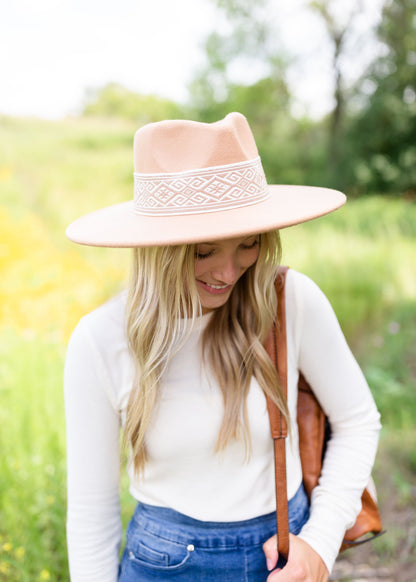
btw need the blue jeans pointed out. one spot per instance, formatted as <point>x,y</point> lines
<point>163,544</point>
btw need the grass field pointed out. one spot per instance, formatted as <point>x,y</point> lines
<point>51,172</point>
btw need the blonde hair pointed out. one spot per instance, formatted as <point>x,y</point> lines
<point>162,292</point>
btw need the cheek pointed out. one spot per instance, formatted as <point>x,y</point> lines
<point>199,268</point>
<point>250,258</point>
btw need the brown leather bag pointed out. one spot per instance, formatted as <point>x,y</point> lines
<point>314,432</point>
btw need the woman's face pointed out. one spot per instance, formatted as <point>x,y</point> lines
<point>219,265</point>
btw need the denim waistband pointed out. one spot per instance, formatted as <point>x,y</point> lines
<point>175,526</point>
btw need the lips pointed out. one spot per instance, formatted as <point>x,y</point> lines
<point>214,289</point>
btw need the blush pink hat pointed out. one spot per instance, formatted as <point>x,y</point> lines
<point>197,182</point>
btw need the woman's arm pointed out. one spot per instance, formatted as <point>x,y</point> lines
<point>93,524</point>
<point>339,384</point>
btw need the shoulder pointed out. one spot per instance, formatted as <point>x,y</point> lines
<point>101,334</point>
<point>103,325</point>
<point>307,306</point>
<point>301,282</point>
<point>310,313</point>
<point>302,292</point>
<point>112,313</point>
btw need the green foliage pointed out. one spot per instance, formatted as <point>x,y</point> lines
<point>244,66</point>
<point>86,160</point>
<point>381,137</point>
<point>113,100</point>
<point>391,365</point>
<point>242,9</point>
<point>366,242</point>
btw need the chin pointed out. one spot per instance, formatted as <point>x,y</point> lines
<point>212,305</point>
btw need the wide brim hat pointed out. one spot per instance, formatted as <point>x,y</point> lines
<point>198,182</point>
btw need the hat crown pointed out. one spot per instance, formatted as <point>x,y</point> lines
<point>180,145</point>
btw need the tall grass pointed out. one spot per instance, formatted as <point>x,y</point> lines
<point>32,463</point>
<point>362,256</point>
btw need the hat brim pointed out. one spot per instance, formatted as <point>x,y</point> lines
<point>120,226</point>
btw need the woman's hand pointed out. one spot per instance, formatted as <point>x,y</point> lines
<point>304,564</point>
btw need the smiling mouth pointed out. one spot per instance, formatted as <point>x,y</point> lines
<point>217,286</point>
<point>216,289</point>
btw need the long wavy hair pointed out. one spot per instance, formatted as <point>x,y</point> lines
<point>162,293</point>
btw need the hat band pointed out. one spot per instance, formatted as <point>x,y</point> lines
<point>197,191</point>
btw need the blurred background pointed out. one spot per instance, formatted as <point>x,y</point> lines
<point>329,89</point>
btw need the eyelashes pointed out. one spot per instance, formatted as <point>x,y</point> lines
<point>201,256</point>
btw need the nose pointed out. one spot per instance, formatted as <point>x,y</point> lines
<point>228,270</point>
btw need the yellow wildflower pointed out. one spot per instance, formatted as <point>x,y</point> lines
<point>45,289</point>
<point>19,553</point>
<point>7,547</point>
<point>44,575</point>
<point>4,567</point>
<point>5,173</point>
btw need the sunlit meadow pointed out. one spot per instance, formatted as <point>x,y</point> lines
<point>362,256</point>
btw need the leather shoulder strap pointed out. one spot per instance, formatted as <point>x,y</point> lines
<point>276,347</point>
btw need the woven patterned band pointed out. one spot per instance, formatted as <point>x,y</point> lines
<point>198,191</point>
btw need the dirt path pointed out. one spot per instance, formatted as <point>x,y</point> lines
<point>391,558</point>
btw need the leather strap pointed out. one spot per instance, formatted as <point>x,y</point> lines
<point>276,347</point>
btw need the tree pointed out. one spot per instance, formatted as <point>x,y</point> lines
<point>241,53</point>
<point>338,29</point>
<point>383,133</point>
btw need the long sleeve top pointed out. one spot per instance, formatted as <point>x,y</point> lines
<point>183,470</point>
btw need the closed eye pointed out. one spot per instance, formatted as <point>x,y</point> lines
<point>199,255</point>
<point>251,245</point>
<point>244,246</point>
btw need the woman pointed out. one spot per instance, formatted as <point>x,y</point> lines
<point>179,362</point>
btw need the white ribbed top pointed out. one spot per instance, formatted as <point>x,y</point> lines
<point>183,471</point>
